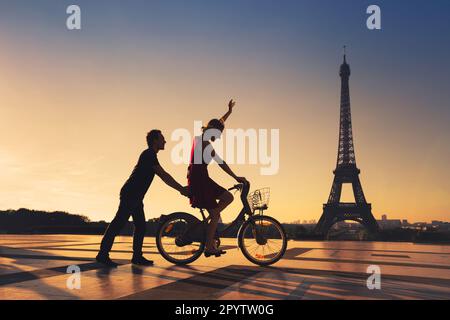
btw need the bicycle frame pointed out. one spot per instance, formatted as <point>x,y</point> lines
<point>240,219</point>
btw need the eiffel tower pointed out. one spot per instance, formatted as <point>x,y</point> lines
<point>346,172</point>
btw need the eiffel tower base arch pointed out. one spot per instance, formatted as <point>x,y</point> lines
<point>334,213</point>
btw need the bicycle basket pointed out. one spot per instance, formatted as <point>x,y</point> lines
<point>259,199</point>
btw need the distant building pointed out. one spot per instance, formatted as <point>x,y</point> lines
<point>440,225</point>
<point>386,223</point>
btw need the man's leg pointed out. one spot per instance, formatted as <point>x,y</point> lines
<point>119,221</point>
<point>139,234</point>
<point>139,229</point>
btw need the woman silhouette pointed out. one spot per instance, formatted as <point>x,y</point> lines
<point>205,192</point>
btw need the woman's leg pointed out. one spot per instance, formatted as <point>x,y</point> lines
<point>225,199</point>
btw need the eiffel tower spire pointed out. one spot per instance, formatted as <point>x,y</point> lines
<point>346,149</point>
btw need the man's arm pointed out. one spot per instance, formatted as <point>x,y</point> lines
<point>169,180</point>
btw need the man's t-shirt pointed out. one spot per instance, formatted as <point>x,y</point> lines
<point>142,176</point>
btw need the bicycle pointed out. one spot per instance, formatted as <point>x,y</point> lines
<point>181,237</point>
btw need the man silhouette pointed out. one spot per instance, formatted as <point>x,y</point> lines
<point>131,200</point>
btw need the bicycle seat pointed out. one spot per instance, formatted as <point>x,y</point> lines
<point>263,207</point>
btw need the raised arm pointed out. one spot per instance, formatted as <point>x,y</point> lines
<point>169,180</point>
<point>230,110</point>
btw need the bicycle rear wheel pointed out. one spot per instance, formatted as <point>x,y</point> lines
<point>262,240</point>
<point>176,240</point>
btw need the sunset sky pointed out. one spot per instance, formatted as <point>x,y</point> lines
<point>75,106</point>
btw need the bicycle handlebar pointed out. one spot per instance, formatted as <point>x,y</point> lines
<point>238,186</point>
<point>235,187</point>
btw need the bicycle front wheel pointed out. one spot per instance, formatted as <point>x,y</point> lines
<point>262,240</point>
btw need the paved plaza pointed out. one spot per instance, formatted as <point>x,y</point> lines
<point>35,267</point>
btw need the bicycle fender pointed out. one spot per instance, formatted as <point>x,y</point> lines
<point>185,215</point>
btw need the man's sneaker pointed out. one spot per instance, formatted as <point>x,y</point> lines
<point>141,261</point>
<point>105,260</point>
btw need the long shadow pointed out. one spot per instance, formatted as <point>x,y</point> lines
<point>445,283</point>
<point>213,282</point>
<point>73,244</point>
<point>203,284</point>
<point>22,257</point>
<point>94,250</point>
<point>37,242</point>
<point>316,284</point>
<point>335,288</point>
<point>378,250</point>
<point>42,288</point>
<point>292,254</point>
